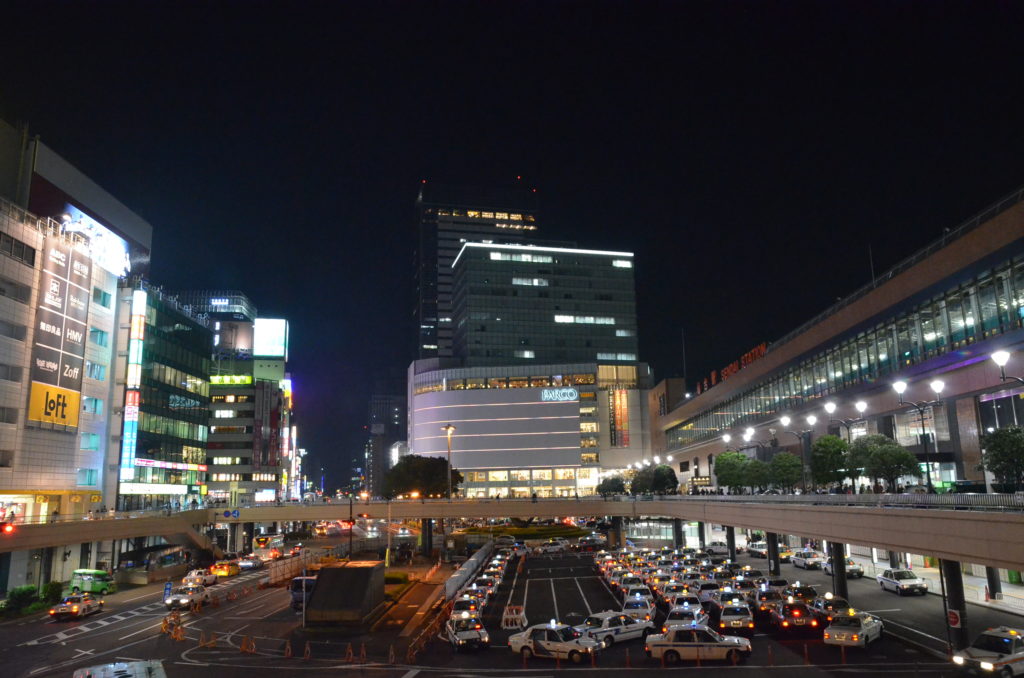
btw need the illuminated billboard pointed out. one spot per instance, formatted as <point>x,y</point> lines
<point>270,338</point>
<point>58,348</point>
<point>109,251</point>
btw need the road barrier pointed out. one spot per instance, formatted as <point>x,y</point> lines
<point>513,617</point>
<point>178,633</point>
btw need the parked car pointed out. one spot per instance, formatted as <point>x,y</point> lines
<point>807,559</point>
<point>612,627</point>
<point>76,606</point>
<point>853,569</point>
<point>696,642</point>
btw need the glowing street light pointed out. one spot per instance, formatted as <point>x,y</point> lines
<point>830,407</point>
<point>785,420</point>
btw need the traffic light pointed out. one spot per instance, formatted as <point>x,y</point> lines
<point>7,528</point>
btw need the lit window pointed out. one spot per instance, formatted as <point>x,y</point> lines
<point>515,217</point>
<point>542,474</point>
<point>473,213</point>
<point>622,263</point>
<point>564,319</point>
<point>625,333</point>
<point>530,282</point>
<point>498,476</point>
<point>565,474</point>
<point>224,414</point>
<point>524,354</point>
<point>488,215</point>
<point>588,427</point>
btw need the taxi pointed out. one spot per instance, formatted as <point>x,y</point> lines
<point>671,590</point>
<point>640,592</point>
<point>554,641</point>
<point>853,629</point>
<point>466,632</point>
<point>777,583</point>
<point>638,608</point>
<point>998,651</point>
<point>466,604</point>
<point>763,602</point>
<point>758,549</point>
<point>800,592</point>
<point>808,559</point>
<point>489,584</point>
<point>185,596</point>
<point>612,627</point>
<point>200,577</point>
<point>696,642</point>
<point>76,606</point>
<point>737,618</point>
<point>684,615</point>
<point>793,615</point>
<point>785,555</point>
<point>225,568</point>
<point>901,582</point>
<point>853,569</point>
<point>827,606</point>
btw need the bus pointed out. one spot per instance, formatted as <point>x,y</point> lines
<point>268,546</point>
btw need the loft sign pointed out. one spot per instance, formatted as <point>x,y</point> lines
<point>559,395</point>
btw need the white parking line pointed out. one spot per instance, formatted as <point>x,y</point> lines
<point>581,595</point>
<point>553,600</point>
<point>140,631</point>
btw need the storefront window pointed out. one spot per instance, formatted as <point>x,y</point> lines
<point>542,474</point>
<point>497,476</point>
<point>520,474</point>
<point>565,474</point>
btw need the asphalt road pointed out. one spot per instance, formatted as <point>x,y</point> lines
<point>562,587</point>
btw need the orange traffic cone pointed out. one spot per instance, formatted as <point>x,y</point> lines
<point>288,649</point>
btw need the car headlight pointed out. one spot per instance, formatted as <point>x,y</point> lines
<point>988,666</point>
<point>169,601</point>
<point>958,660</point>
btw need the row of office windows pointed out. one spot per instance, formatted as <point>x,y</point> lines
<point>257,477</point>
<point>525,475</point>
<point>17,250</point>
<point>989,305</point>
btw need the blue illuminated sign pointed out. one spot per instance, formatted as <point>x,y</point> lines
<point>559,395</point>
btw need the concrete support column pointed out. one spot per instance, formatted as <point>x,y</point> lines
<point>894,559</point>
<point>772,540</point>
<point>617,536</point>
<point>678,539</point>
<point>837,551</point>
<point>730,541</point>
<point>427,536</point>
<point>701,537</point>
<point>955,602</point>
<point>995,586</point>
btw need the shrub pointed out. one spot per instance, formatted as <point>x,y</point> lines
<point>52,592</point>
<point>21,597</point>
<point>396,577</point>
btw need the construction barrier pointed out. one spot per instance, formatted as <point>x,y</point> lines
<point>178,633</point>
<point>513,618</point>
<point>164,625</point>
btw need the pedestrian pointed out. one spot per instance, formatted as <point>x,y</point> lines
<point>89,517</point>
<point>55,516</point>
<point>534,497</point>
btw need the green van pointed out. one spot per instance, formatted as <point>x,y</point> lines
<point>93,581</point>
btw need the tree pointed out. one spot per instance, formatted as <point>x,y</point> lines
<point>882,458</point>
<point>664,480</point>
<point>730,469</point>
<point>642,481</point>
<point>1003,456</point>
<point>828,460</point>
<point>426,475</point>
<point>756,474</point>
<point>612,485</point>
<point>785,470</point>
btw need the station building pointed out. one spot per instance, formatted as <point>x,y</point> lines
<point>936,318</point>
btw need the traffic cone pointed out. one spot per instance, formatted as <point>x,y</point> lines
<point>362,653</point>
<point>558,662</point>
<point>349,655</point>
<point>213,639</point>
<point>288,649</point>
<point>202,638</point>
<point>306,653</point>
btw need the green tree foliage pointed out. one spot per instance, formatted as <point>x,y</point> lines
<point>660,479</point>
<point>882,458</point>
<point>730,469</point>
<point>612,485</point>
<point>427,475</point>
<point>1003,456</point>
<point>53,591</point>
<point>785,470</point>
<point>756,474</point>
<point>828,460</point>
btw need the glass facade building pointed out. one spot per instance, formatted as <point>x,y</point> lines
<point>984,305</point>
<point>518,304</point>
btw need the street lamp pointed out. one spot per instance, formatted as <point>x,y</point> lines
<point>860,406</point>
<point>1001,358</point>
<point>726,437</point>
<point>936,385</point>
<point>449,429</point>
<point>804,437</point>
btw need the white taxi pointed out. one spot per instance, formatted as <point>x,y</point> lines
<point>612,627</point>
<point>466,632</point>
<point>185,596</point>
<point>996,652</point>
<point>736,617</point>
<point>202,577</point>
<point>75,606</point>
<point>552,640</point>
<point>853,629</point>
<point>807,559</point>
<point>638,608</point>
<point>696,642</point>
<point>684,615</point>
<point>902,582</point>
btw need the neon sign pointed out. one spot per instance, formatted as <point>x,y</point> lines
<point>559,395</point>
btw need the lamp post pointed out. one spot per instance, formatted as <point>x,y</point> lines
<point>1001,358</point>
<point>804,437</point>
<point>937,385</point>
<point>830,408</point>
<point>449,429</point>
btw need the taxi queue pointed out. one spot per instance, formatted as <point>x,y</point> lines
<point>712,608</point>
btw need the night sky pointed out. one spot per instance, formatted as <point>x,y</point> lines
<point>749,153</point>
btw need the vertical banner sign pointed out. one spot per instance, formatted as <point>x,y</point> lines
<point>133,384</point>
<point>618,418</point>
<point>58,349</point>
<point>260,423</point>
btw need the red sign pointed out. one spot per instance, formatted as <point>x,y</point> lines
<point>732,368</point>
<point>953,618</point>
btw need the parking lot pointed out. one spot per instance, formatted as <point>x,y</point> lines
<point>568,587</point>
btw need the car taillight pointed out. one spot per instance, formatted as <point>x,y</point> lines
<point>74,608</point>
<point>750,625</point>
<point>827,636</point>
<point>814,622</point>
<point>647,617</point>
<point>53,612</point>
<point>856,637</point>
<point>785,623</point>
<point>722,625</point>
<point>796,613</point>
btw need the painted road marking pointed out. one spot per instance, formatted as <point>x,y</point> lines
<point>584,597</point>
<point>554,601</point>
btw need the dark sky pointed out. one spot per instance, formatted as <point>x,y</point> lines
<point>749,153</point>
